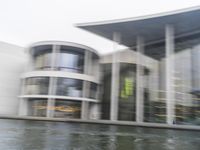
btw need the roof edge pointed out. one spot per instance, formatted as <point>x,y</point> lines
<point>156,15</point>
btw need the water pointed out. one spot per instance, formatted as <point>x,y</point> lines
<point>36,135</point>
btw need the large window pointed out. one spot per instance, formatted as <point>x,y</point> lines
<point>37,85</point>
<point>69,87</point>
<point>70,60</point>
<point>43,57</point>
<point>37,107</point>
<point>127,92</point>
<point>67,109</point>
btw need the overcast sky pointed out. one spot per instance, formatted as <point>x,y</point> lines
<point>25,21</point>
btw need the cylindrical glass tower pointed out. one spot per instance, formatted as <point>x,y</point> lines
<point>62,81</point>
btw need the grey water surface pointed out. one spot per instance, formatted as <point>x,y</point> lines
<point>39,135</point>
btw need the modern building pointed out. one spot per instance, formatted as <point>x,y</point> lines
<point>156,79</point>
<point>12,62</point>
<point>172,42</point>
<point>62,81</point>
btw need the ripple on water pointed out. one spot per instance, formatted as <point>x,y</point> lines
<point>15,134</point>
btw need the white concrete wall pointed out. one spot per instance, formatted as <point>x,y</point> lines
<point>12,63</point>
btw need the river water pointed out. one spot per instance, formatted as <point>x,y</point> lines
<point>38,135</point>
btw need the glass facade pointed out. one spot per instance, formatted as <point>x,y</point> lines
<point>63,87</point>
<point>184,81</point>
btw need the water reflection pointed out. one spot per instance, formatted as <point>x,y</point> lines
<point>15,134</point>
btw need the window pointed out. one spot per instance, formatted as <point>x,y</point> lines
<point>37,85</point>
<point>42,57</point>
<point>93,90</point>
<point>67,109</point>
<point>69,87</point>
<point>70,60</point>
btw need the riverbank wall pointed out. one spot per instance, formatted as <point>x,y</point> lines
<point>105,122</point>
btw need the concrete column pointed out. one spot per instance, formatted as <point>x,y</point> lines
<point>169,52</point>
<point>85,104</point>
<point>86,85</point>
<point>52,84</point>
<point>87,62</point>
<point>139,80</point>
<point>115,78</point>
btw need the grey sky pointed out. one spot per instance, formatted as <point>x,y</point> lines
<point>25,21</point>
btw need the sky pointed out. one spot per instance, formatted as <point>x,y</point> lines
<point>23,22</point>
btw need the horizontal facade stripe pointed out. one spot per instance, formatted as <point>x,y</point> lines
<point>60,97</point>
<point>61,74</point>
<point>63,43</point>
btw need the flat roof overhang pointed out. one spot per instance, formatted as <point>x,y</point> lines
<point>185,21</point>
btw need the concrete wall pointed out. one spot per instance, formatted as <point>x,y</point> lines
<point>12,63</point>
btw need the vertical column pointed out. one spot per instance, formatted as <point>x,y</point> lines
<point>115,78</point>
<point>139,80</point>
<point>169,52</point>
<point>85,104</point>
<point>52,84</point>
<point>23,101</point>
<point>86,85</point>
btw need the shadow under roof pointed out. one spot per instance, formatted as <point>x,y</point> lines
<point>151,27</point>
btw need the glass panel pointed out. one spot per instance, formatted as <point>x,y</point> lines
<point>42,57</point>
<point>154,84</point>
<point>43,61</point>
<point>47,60</point>
<point>37,85</point>
<point>37,107</point>
<point>70,60</point>
<point>93,90</point>
<point>106,88</point>
<point>67,109</point>
<point>69,87</point>
<point>127,92</point>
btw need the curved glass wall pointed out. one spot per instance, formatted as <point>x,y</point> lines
<point>36,85</point>
<point>66,58</point>
<point>70,60</point>
<point>67,109</point>
<point>69,87</point>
